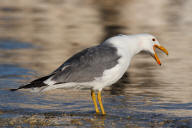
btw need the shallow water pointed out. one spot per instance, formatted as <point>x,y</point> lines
<point>37,36</point>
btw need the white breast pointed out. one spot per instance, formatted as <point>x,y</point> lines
<point>112,75</point>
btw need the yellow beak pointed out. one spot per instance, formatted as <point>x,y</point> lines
<point>162,49</point>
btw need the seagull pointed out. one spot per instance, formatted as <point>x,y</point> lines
<point>98,66</point>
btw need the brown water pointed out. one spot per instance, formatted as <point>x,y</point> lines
<point>36,36</point>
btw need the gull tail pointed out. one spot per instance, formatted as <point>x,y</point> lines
<point>34,84</point>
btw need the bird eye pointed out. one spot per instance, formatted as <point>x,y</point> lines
<point>153,39</point>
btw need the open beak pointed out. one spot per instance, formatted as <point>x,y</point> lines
<point>162,49</point>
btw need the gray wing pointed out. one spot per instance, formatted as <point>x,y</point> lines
<point>87,64</point>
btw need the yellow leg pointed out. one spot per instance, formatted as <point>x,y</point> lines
<point>94,101</point>
<point>100,102</point>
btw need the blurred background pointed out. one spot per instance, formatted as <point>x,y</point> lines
<point>36,36</point>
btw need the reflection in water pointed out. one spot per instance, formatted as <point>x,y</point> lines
<point>10,45</point>
<point>40,35</point>
<point>109,15</point>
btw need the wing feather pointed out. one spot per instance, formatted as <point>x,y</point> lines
<point>87,64</point>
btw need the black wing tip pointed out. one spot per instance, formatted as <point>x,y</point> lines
<point>13,89</point>
<point>34,84</point>
<point>38,85</point>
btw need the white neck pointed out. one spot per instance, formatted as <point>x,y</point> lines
<point>128,45</point>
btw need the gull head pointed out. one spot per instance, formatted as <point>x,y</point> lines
<point>133,44</point>
<point>149,43</point>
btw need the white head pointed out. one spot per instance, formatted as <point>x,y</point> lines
<point>133,44</point>
<point>148,43</point>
